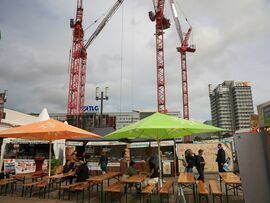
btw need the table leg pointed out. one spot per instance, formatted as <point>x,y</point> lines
<point>226,188</point>
<point>220,179</point>
<point>126,188</point>
<point>194,192</point>
<point>23,186</point>
<point>89,195</point>
<point>59,191</point>
<point>101,191</point>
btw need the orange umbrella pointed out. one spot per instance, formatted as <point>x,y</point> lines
<point>47,130</point>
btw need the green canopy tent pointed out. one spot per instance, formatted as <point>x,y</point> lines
<point>160,127</point>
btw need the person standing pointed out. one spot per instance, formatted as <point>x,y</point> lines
<point>200,163</point>
<point>103,162</point>
<point>189,156</point>
<point>221,158</point>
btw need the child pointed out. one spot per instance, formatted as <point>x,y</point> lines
<point>226,166</point>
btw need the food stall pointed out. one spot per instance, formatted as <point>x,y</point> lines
<point>114,151</point>
<point>143,150</point>
<point>25,156</point>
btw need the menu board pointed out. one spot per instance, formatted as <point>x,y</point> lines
<point>9,165</point>
<point>22,165</point>
<point>25,166</point>
<point>166,167</point>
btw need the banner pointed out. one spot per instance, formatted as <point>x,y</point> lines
<point>25,166</point>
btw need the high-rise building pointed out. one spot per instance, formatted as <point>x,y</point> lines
<point>231,105</point>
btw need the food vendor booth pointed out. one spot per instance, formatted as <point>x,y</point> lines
<point>25,156</point>
<point>143,150</point>
<point>114,151</point>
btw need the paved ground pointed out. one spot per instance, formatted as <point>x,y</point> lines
<point>95,197</point>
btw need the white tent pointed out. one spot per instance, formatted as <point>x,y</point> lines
<point>14,118</point>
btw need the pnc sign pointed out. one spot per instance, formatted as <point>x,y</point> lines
<point>92,109</point>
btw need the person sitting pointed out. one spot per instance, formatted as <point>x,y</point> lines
<point>82,172</point>
<point>131,171</point>
<point>67,169</point>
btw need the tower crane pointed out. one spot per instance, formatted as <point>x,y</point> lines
<point>162,23</point>
<point>76,90</point>
<point>185,47</point>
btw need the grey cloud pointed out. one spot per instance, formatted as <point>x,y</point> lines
<point>231,37</point>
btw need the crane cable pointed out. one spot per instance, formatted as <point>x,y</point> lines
<point>95,21</point>
<point>132,60</point>
<point>121,66</point>
<point>182,11</point>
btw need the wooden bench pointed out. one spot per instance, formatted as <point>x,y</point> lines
<point>165,190</point>
<point>68,188</point>
<point>202,190</point>
<point>4,183</point>
<point>81,188</point>
<point>215,190</point>
<point>42,186</point>
<point>115,188</point>
<point>147,191</point>
<point>30,185</point>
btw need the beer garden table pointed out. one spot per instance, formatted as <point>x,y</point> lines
<point>138,178</point>
<point>100,178</point>
<point>232,182</point>
<point>58,177</point>
<point>187,180</point>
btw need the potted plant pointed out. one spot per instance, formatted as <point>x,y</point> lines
<point>56,166</point>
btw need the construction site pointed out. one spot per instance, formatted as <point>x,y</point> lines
<point>124,82</point>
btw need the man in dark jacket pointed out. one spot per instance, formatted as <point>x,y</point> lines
<point>221,158</point>
<point>200,163</point>
<point>82,172</point>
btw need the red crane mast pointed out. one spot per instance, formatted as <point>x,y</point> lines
<point>76,90</point>
<point>185,47</point>
<point>162,23</point>
<point>77,65</point>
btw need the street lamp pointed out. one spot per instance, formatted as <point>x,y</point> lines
<point>101,96</point>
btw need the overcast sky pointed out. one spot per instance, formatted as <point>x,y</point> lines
<point>232,39</point>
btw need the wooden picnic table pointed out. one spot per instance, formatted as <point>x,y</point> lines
<point>58,180</point>
<point>4,184</point>
<point>231,181</point>
<point>138,178</point>
<point>21,177</point>
<point>61,175</point>
<point>100,178</point>
<point>187,180</point>
<point>105,176</point>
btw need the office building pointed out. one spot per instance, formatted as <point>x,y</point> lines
<point>126,118</point>
<point>231,105</point>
